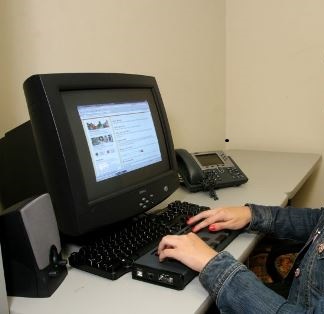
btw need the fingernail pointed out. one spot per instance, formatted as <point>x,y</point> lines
<point>212,228</point>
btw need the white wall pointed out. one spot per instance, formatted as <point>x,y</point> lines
<point>274,80</point>
<point>274,63</point>
<point>179,42</point>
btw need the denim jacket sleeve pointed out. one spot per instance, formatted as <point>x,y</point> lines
<point>235,289</point>
<point>284,223</point>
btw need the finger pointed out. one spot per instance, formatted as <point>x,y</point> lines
<point>217,226</point>
<point>203,215</point>
<point>201,225</point>
<point>217,217</point>
<point>167,253</point>
<point>167,242</point>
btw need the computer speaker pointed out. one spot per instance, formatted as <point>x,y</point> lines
<point>31,248</point>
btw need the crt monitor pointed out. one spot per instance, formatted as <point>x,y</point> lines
<point>104,146</point>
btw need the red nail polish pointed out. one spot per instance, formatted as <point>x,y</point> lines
<point>212,228</point>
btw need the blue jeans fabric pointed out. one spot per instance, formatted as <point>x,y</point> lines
<point>235,289</point>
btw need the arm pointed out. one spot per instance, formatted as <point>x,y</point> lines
<point>231,285</point>
<point>235,289</point>
<point>288,223</point>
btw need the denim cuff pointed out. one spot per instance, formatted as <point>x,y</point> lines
<point>261,220</point>
<point>235,289</point>
<point>218,270</point>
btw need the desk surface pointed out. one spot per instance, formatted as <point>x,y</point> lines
<point>274,178</point>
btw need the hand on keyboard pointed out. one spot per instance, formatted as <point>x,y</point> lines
<point>217,219</point>
<point>188,248</point>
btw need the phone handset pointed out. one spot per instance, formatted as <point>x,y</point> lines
<point>189,170</point>
<point>208,171</point>
<point>192,176</point>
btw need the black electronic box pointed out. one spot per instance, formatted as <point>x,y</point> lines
<point>171,273</point>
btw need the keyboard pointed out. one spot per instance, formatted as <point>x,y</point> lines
<point>113,254</point>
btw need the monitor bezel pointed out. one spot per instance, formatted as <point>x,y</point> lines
<point>95,190</point>
<point>46,108</point>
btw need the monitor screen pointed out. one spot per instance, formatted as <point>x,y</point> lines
<point>104,145</point>
<point>121,137</point>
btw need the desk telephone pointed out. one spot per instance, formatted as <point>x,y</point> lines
<point>207,171</point>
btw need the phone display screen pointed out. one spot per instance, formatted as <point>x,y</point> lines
<point>209,160</point>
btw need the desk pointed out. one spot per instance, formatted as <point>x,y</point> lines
<point>274,178</point>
